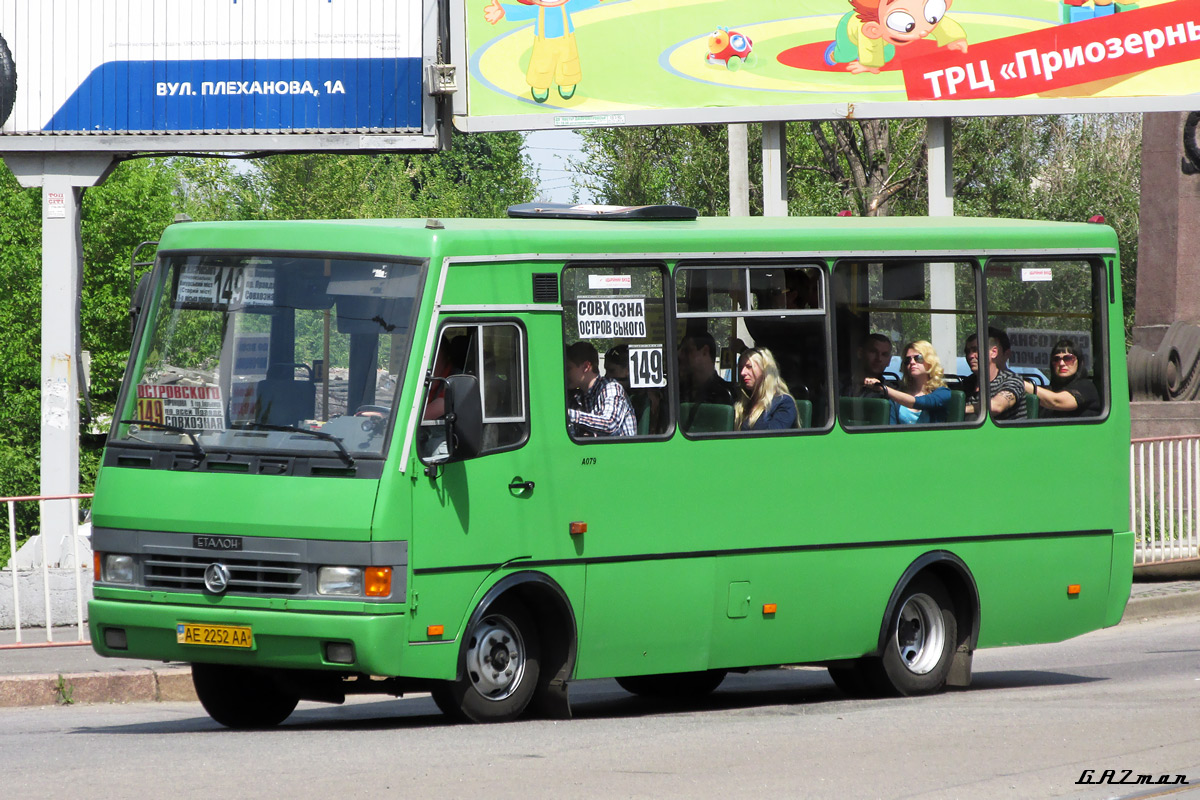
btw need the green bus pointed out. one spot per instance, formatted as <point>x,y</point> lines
<point>486,458</point>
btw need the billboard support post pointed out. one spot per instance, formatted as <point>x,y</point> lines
<point>939,146</point>
<point>62,177</point>
<point>739,170</point>
<point>774,146</point>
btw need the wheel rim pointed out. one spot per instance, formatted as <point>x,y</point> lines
<point>496,657</point>
<point>920,634</point>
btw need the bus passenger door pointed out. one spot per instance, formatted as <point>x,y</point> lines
<point>473,515</point>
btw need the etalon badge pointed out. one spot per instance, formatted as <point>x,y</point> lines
<point>216,578</point>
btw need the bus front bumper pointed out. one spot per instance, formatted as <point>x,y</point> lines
<point>284,640</point>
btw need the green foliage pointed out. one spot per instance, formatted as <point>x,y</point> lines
<point>480,176</point>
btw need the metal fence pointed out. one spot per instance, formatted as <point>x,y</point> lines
<point>1164,499</point>
<point>77,568</point>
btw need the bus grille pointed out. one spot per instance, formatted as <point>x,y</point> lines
<point>245,576</point>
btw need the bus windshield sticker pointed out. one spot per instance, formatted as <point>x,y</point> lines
<point>646,368</point>
<point>610,281</point>
<point>1037,274</point>
<point>611,317</point>
<point>221,287</point>
<point>193,408</point>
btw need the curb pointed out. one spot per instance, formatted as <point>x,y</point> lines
<point>123,686</point>
<point>1145,607</point>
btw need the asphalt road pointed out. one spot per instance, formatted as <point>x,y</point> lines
<point>1034,720</point>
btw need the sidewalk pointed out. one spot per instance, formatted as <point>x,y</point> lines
<point>66,672</point>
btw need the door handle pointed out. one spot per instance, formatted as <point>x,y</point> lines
<point>519,485</point>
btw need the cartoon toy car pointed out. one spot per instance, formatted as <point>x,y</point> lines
<point>731,49</point>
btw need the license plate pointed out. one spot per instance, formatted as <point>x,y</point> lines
<point>214,635</point>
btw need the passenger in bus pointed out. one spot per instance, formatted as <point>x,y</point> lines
<point>765,404</point>
<point>699,381</point>
<point>616,365</point>
<point>1006,393</point>
<point>596,406</point>
<point>874,355</point>
<point>923,395</point>
<point>1071,392</point>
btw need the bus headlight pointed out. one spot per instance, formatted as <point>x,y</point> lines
<point>340,580</point>
<point>117,568</point>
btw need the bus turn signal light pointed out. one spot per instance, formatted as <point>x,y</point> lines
<point>768,608</point>
<point>578,528</point>
<point>377,581</point>
<point>435,630</point>
<point>1073,590</point>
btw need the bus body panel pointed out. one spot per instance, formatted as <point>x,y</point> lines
<point>234,505</point>
<point>284,638</point>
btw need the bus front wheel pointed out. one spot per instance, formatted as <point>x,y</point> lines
<point>242,698</point>
<point>499,667</point>
<point>921,639</point>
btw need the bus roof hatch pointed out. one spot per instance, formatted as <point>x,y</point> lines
<point>588,211</point>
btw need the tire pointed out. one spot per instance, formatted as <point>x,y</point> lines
<point>734,63</point>
<point>674,685</point>
<point>921,639</point>
<point>8,81</point>
<point>499,664</point>
<point>242,698</point>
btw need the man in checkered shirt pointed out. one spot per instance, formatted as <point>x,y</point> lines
<point>597,406</point>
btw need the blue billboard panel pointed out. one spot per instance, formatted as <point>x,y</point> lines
<point>211,66</point>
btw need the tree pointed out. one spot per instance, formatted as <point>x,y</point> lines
<point>1051,167</point>
<point>480,176</point>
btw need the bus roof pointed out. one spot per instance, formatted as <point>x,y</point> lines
<point>422,238</point>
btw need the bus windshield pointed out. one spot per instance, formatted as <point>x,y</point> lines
<point>272,353</point>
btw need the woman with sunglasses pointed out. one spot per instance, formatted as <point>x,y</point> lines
<point>924,396</point>
<point>1071,392</point>
<point>764,403</point>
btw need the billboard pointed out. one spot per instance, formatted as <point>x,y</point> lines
<point>570,63</point>
<point>215,74</point>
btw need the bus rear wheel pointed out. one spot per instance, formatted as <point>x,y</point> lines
<point>674,685</point>
<point>499,666</point>
<point>242,698</point>
<point>921,638</point>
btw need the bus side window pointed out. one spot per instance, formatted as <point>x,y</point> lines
<point>495,353</point>
<point>905,343</point>
<point>772,315</point>
<point>617,365</point>
<point>1052,315</point>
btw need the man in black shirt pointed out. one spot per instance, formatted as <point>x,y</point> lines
<point>700,382</point>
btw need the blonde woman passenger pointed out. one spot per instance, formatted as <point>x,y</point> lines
<point>764,403</point>
<point>923,396</point>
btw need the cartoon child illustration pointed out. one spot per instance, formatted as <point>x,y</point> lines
<point>868,36</point>
<point>555,58</point>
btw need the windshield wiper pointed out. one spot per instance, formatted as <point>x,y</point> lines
<point>329,437</point>
<point>146,423</point>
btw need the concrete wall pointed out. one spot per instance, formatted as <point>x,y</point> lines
<point>33,602</point>
<point>1151,419</point>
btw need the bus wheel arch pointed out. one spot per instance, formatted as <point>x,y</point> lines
<point>945,569</point>
<point>536,609</point>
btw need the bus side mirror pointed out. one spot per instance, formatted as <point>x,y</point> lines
<point>464,417</point>
<point>138,301</point>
